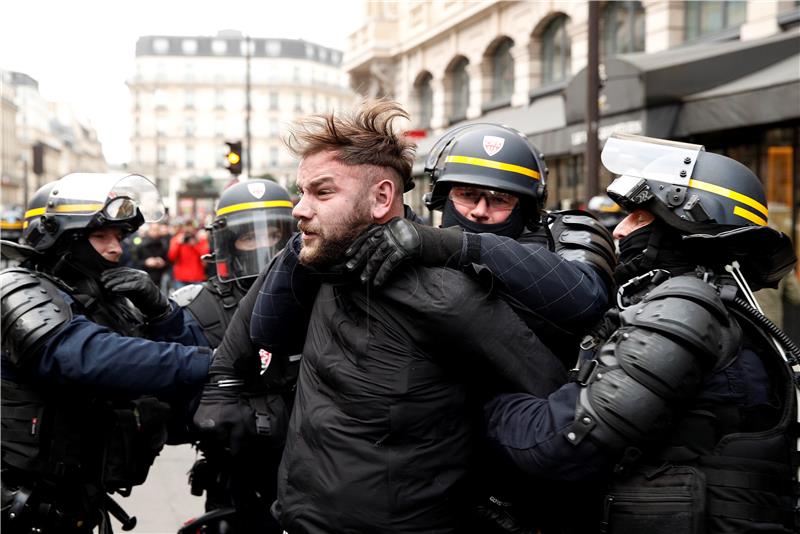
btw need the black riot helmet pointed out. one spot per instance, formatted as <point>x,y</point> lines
<point>717,204</point>
<point>82,201</point>
<point>491,156</point>
<point>31,224</point>
<point>253,222</point>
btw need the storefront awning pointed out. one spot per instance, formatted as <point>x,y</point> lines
<point>640,81</point>
<point>769,95</point>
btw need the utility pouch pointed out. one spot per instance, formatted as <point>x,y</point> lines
<point>662,500</point>
<point>135,434</point>
<point>21,421</point>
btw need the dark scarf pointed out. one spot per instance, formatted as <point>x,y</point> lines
<point>655,246</point>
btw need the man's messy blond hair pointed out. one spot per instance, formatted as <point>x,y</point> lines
<point>365,136</point>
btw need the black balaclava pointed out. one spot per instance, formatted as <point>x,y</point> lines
<point>655,246</point>
<point>87,260</point>
<point>511,227</point>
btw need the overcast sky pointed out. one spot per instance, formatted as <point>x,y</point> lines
<point>82,51</point>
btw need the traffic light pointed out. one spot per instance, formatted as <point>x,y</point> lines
<point>233,159</point>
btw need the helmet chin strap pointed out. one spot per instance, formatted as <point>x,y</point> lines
<point>512,227</point>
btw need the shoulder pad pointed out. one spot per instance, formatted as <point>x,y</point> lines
<point>691,288</point>
<point>185,295</point>
<point>32,308</point>
<point>578,236</point>
<point>689,311</point>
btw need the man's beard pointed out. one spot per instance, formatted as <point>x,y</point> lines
<point>333,238</point>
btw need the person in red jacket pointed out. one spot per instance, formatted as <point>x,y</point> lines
<point>185,251</point>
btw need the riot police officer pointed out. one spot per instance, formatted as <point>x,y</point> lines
<point>681,416</point>
<point>253,222</point>
<point>85,399</point>
<point>491,184</point>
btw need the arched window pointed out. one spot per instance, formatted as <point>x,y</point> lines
<point>706,18</point>
<point>555,51</point>
<point>622,25</point>
<point>502,71</point>
<point>459,78</point>
<point>425,99</point>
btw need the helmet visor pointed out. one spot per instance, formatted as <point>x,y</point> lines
<point>248,240</point>
<point>116,196</point>
<point>652,159</point>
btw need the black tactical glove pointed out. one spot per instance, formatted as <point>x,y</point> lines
<point>139,288</point>
<point>495,516</point>
<point>382,248</point>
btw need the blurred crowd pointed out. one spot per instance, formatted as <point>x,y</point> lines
<point>173,253</point>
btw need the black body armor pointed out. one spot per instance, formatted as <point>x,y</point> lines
<point>212,304</point>
<point>718,469</point>
<point>64,449</point>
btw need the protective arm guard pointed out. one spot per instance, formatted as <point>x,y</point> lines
<point>32,309</point>
<point>656,361</point>
<point>580,237</point>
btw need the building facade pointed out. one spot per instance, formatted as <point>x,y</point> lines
<point>41,141</point>
<point>723,74</point>
<point>190,96</point>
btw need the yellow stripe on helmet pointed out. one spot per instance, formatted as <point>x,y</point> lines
<point>73,208</point>
<point>729,193</point>
<point>255,205</point>
<point>5,225</point>
<point>749,215</point>
<point>466,160</point>
<point>34,212</point>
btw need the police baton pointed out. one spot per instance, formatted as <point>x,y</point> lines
<point>128,522</point>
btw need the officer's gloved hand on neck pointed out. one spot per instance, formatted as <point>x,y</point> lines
<point>139,288</point>
<point>382,248</point>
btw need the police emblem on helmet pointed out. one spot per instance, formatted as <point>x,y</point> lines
<point>493,144</point>
<point>257,189</point>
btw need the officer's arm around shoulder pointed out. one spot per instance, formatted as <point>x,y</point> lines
<point>471,326</point>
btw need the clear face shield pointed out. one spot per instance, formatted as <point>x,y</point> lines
<point>647,167</point>
<point>106,197</point>
<point>248,240</point>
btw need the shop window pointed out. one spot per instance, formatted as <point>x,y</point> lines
<point>555,51</point>
<point>459,78</point>
<point>502,71</point>
<point>780,167</point>
<point>708,18</point>
<point>622,27</point>
<point>424,93</point>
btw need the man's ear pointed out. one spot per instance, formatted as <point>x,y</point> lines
<point>383,193</point>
